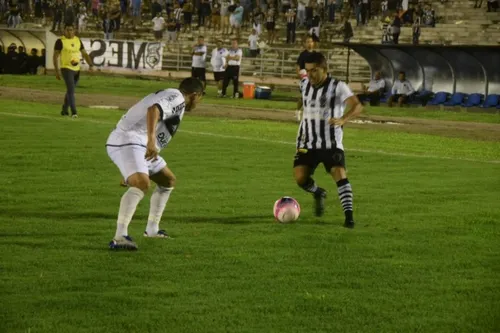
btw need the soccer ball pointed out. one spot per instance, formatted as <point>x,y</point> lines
<point>286,210</point>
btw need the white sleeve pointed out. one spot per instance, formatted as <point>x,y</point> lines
<point>204,49</point>
<point>410,88</point>
<point>240,53</point>
<point>382,85</point>
<point>343,91</point>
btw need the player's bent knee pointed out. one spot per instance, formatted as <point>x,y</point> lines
<point>139,180</point>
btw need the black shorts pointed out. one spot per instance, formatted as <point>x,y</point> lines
<point>270,26</point>
<point>198,73</point>
<point>219,76</point>
<point>312,157</point>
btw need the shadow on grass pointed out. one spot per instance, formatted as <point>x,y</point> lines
<point>89,216</point>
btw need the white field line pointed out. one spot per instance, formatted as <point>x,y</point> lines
<point>245,138</point>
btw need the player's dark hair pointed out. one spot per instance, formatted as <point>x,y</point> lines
<point>69,25</point>
<point>201,37</point>
<point>403,72</point>
<point>313,37</point>
<point>318,59</point>
<point>191,85</point>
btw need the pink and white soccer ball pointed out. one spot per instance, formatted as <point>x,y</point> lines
<point>286,210</point>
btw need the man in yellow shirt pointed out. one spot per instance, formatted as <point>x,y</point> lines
<point>69,47</point>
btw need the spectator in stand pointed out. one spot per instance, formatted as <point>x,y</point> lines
<point>365,11</point>
<point>82,18</point>
<point>38,11</point>
<point>123,7</point>
<point>331,11</point>
<point>396,29</point>
<point>492,5</point>
<point>374,91</point>
<point>108,27</point>
<point>310,13</point>
<point>188,9</point>
<point>347,30</point>
<point>95,8</point>
<point>158,26</point>
<point>301,13</point>
<point>416,31</point>
<point>224,13</point>
<point>136,12</point>
<point>402,90</point>
<point>247,12</point>
<point>384,7</point>
<point>285,6</point>
<point>203,13</point>
<point>116,15</point>
<point>171,29</point>
<point>33,62</point>
<point>253,44</point>
<point>291,16</point>
<point>257,18</point>
<point>216,16</point>
<point>237,19</point>
<point>155,9</point>
<point>270,24</point>
<point>177,17</point>
<point>429,16</point>
<point>315,25</point>
<point>14,19</point>
<point>69,16</point>
<point>386,32</point>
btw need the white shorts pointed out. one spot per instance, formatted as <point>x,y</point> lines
<point>130,159</point>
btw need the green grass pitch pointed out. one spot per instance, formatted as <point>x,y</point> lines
<point>424,256</point>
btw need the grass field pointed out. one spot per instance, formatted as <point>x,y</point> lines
<point>119,86</point>
<point>424,256</point>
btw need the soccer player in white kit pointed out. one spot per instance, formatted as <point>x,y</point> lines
<point>134,147</point>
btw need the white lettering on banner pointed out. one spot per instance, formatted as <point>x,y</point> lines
<point>122,54</point>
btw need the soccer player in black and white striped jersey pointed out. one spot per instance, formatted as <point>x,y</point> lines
<point>328,104</point>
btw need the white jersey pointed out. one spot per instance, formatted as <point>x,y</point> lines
<point>132,129</point>
<point>233,53</point>
<point>199,60</point>
<point>218,59</point>
<point>320,104</point>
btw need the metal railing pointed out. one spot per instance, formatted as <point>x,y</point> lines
<point>275,62</point>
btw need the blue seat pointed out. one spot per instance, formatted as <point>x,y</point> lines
<point>385,97</point>
<point>456,99</point>
<point>491,101</point>
<point>473,100</point>
<point>439,98</point>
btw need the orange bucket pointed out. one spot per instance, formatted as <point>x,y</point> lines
<point>248,90</point>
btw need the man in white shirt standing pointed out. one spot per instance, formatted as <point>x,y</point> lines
<point>198,66</point>
<point>158,26</point>
<point>374,91</point>
<point>134,146</point>
<point>218,62</point>
<point>233,62</point>
<point>253,44</point>
<point>401,91</point>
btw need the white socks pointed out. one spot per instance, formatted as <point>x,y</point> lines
<point>158,202</point>
<point>128,204</point>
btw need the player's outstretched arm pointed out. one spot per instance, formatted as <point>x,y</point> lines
<point>354,109</point>
<point>153,116</point>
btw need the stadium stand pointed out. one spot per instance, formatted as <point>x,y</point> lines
<point>453,23</point>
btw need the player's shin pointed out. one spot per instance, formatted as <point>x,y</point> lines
<point>309,185</point>
<point>345,196</point>
<point>128,205</point>
<point>159,200</point>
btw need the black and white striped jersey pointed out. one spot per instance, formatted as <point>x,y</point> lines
<point>320,104</point>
